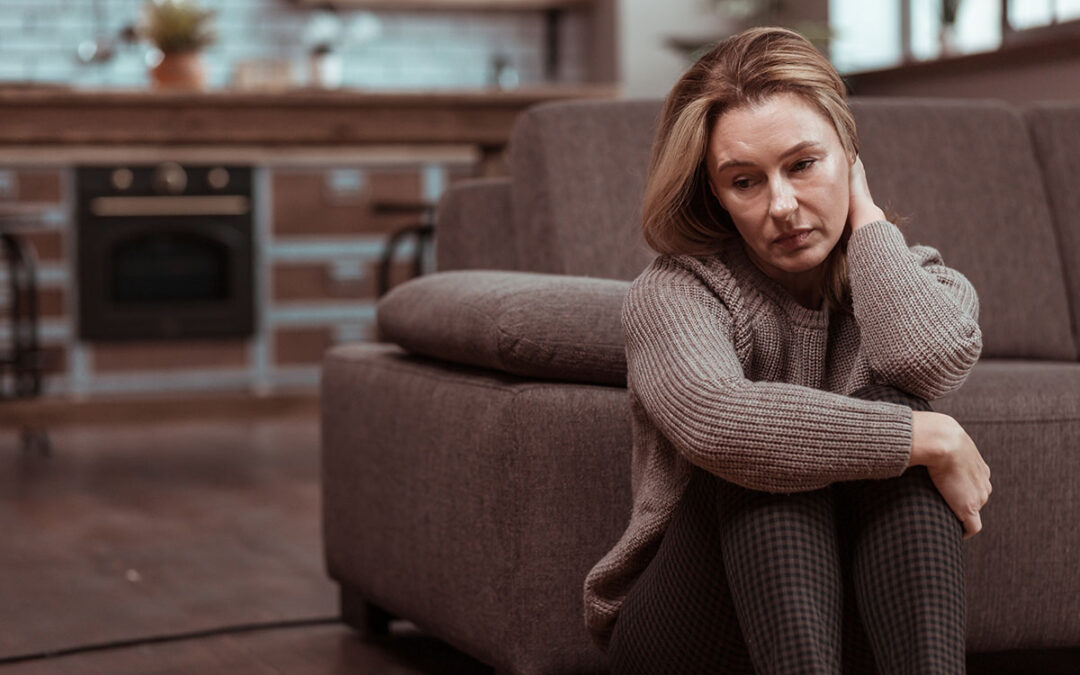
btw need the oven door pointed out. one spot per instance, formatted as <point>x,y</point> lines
<point>165,277</point>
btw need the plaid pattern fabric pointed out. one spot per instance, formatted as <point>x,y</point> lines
<point>859,577</point>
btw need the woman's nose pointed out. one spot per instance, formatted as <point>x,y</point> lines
<point>782,201</point>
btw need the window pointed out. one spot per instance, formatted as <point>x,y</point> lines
<point>866,35</point>
<point>875,35</point>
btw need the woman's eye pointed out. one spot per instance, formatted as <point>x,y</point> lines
<point>741,183</point>
<point>802,165</point>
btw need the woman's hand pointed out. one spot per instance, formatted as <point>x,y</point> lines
<point>954,464</point>
<point>861,209</point>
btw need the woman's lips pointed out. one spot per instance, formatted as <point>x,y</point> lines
<point>794,240</point>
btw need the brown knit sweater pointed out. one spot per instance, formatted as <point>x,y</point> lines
<point>727,372</point>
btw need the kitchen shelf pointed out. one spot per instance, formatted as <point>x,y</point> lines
<point>476,5</point>
<point>552,9</point>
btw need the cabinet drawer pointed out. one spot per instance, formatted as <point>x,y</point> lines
<point>348,280</point>
<point>54,360</point>
<point>39,186</point>
<point>168,356</point>
<point>295,346</point>
<point>48,244</point>
<point>309,203</point>
<point>50,303</point>
<point>305,345</point>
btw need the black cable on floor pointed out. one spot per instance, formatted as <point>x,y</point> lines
<point>172,637</point>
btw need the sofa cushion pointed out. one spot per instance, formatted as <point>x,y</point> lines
<point>535,325</point>
<point>1024,416</point>
<point>1014,391</point>
<point>1055,130</point>
<point>579,173</point>
<point>965,177</point>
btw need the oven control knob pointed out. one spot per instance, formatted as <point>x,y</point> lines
<point>122,179</point>
<point>170,178</point>
<point>218,178</point>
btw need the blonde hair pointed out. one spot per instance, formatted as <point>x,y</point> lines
<point>680,213</point>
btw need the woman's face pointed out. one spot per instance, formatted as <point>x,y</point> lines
<point>781,172</point>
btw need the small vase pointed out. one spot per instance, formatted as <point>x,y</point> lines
<point>948,41</point>
<point>324,70</point>
<point>179,70</point>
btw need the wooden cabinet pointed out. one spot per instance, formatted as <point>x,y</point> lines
<point>320,230</point>
<point>328,230</point>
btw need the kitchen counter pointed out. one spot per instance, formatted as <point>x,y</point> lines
<point>300,117</point>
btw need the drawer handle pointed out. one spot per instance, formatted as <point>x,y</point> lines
<point>215,205</point>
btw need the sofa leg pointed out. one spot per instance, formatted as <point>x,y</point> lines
<point>370,621</point>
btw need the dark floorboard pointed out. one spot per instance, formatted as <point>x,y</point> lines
<point>150,528</point>
<point>319,650</point>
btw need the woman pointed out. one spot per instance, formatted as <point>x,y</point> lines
<point>797,505</point>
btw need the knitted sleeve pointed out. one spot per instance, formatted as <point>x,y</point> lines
<point>918,319</point>
<point>684,370</point>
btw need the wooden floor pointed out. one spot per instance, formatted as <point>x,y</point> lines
<point>170,524</point>
<point>166,519</point>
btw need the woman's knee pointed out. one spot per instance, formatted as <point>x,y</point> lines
<point>890,394</point>
<point>910,500</point>
<point>749,509</point>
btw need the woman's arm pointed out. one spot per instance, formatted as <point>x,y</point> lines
<point>684,370</point>
<point>918,319</point>
<point>950,332</point>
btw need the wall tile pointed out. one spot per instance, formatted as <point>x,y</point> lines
<point>38,41</point>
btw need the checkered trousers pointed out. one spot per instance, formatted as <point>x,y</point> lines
<point>858,577</point>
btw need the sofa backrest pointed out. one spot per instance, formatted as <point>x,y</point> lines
<point>475,227</point>
<point>965,176</point>
<point>962,174</point>
<point>578,175</point>
<point>1055,132</point>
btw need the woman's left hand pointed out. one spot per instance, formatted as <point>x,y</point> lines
<point>861,209</point>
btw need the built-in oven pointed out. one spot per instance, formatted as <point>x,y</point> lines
<point>165,251</point>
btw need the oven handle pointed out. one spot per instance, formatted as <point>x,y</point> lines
<point>209,205</point>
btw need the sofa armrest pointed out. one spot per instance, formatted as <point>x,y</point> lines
<point>474,227</point>
<point>534,325</point>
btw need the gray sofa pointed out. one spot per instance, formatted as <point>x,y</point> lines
<point>476,463</point>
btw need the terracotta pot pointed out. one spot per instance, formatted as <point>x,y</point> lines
<point>179,70</point>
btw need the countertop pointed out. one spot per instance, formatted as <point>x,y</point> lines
<point>34,116</point>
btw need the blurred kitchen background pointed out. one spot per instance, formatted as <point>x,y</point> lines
<point>328,130</point>
<point>443,44</point>
<point>82,42</point>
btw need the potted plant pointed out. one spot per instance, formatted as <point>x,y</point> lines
<point>947,31</point>
<point>733,16</point>
<point>180,30</point>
